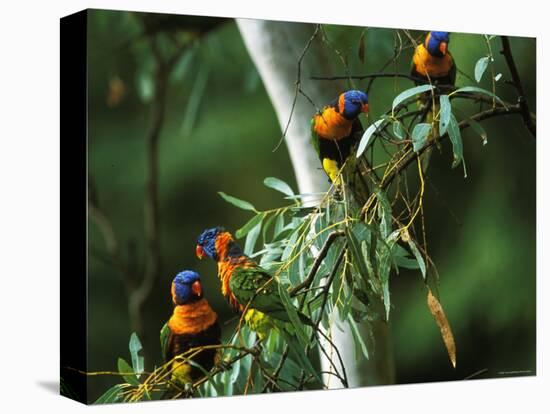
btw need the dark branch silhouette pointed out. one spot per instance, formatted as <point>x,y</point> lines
<point>516,81</point>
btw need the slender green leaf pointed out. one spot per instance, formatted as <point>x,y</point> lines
<point>164,334</point>
<point>476,126</point>
<point>357,339</point>
<point>444,113</point>
<point>406,263</point>
<point>384,255</point>
<point>366,138</point>
<point>347,299</point>
<point>361,49</point>
<point>249,225</point>
<point>409,93</point>
<point>137,360</point>
<point>112,395</point>
<point>420,135</point>
<point>194,102</point>
<point>475,89</point>
<point>290,245</point>
<point>456,140</point>
<point>252,237</point>
<point>385,213</point>
<point>293,314</point>
<point>480,68</point>
<point>279,225</point>
<point>278,185</point>
<point>384,267</point>
<point>297,350</point>
<point>355,249</point>
<point>368,262</point>
<point>245,205</point>
<point>398,130</point>
<point>305,196</point>
<point>267,224</point>
<point>294,269</point>
<point>127,372</point>
<point>145,83</point>
<point>181,68</point>
<point>418,256</point>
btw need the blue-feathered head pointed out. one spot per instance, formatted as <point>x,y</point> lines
<point>217,243</point>
<point>352,103</point>
<point>206,243</point>
<point>436,43</point>
<point>186,287</point>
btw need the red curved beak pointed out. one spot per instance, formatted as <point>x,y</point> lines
<point>196,288</point>
<point>365,108</point>
<point>199,252</point>
<point>443,48</point>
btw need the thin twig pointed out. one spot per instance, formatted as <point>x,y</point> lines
<point>477,373</point>
<point>369,76</point>
<point>490,113</point>
<point>516,81</point>
<point>297,84</point>
<point>306,283</point>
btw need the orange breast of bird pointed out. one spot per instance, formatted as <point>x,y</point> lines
<point>331,125</point>
<point>192,318</point>
<point>432,66</point>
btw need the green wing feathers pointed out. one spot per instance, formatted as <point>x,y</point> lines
<point>256,289</point>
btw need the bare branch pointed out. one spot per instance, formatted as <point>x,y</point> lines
<point>516,81</point>
<point>297,84</point>
<point>306,283</point>
<point>369,76</point>
<point>490,113</point>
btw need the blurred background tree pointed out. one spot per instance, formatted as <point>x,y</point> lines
<point>187,88</point>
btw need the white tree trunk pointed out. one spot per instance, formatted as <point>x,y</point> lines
<point>275,48</point>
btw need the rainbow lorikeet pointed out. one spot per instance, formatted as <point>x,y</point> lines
<point>336,129</point>
<point>247,286</point>
<point>193,325</point>
<point>432,60</point>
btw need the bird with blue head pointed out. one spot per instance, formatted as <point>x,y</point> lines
<point>336,129</point>
<point>437,43</point>
<point>432,60</point>
<point>193,325</point>
<point>216,243</point>
<point>186,288</point>
<point>432,63</point>
<point>248,287</point>
<point>352,103</point>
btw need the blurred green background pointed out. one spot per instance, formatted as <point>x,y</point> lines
<point>219,135</point>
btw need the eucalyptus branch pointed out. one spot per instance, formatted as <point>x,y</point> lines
<point>330,279</point>
<point>163,68</point>
<point>306,283</point>
<point>278,368</point>
<point>224,366</point>
<point>298,83</point>
<point>370,76</point>
<point>516,81</point>
<point>490,113</point>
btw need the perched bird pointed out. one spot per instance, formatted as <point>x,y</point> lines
<point>432,60</point>
<point>247,286</point>
<point>193,324</point>
<point>336,129</point>
<point>433,63</point>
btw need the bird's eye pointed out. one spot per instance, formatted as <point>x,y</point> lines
<point>355,102</point>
